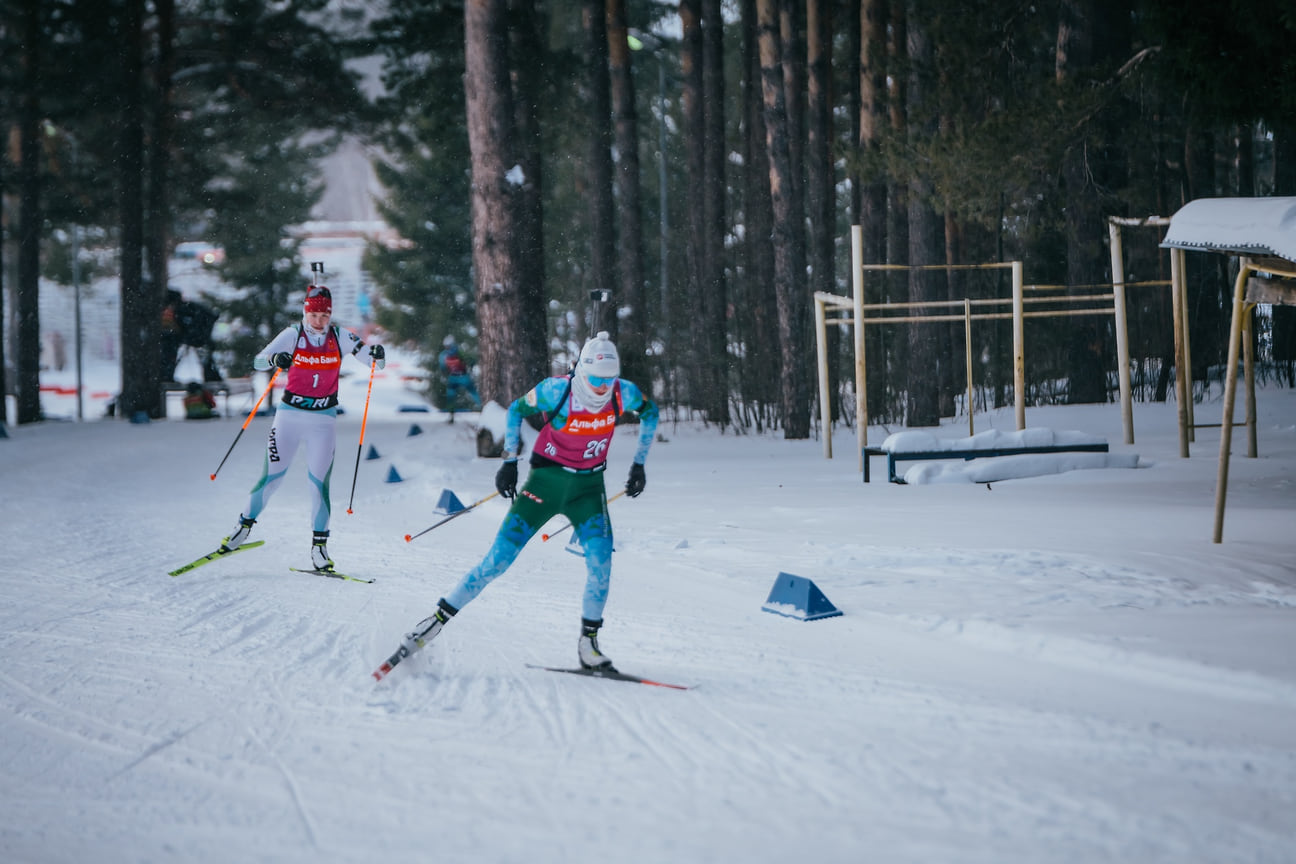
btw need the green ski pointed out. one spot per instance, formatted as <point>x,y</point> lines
<point>212,556</point>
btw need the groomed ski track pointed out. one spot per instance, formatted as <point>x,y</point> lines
<point>990,704</point>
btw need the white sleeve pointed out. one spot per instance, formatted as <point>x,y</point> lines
<point>285,341</point>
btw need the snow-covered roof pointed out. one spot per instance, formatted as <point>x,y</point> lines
<point>1244,226</point>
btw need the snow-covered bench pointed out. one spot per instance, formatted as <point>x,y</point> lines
<point>916,445</point>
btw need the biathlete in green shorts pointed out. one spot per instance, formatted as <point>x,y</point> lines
<point>566,477</point>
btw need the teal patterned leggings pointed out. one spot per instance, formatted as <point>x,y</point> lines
<point>549,492</point>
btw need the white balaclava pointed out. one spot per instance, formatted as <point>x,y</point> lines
<point>599,358</point>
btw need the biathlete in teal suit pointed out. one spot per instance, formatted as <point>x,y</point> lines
<point>566,477</point>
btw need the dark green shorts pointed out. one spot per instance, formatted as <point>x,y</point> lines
<point>551,491</point>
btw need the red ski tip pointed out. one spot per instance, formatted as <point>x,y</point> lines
<point>349,510</point>
<point>408,538</point>
<point>544,537</point>
<point>213,476</point>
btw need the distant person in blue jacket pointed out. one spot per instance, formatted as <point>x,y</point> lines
<point>458,380</point>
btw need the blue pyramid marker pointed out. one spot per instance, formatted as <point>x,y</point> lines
<point>449,503</point>
<point>796,597</point>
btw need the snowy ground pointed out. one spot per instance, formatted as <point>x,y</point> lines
<point>1054,669</point>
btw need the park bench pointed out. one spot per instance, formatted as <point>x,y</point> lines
<point>916,445</point>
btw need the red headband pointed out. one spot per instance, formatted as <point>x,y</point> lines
<point>318,299</point>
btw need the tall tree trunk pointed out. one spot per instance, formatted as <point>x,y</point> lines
<point>496,201</point>
<point>1244,159</point>
<point>954,384</point>
<point>761,369</point>
<point>791,41</point>
<point>1085,230</point>
<point>158,218</point>
<point>1210,291</point>
<point>954,371</point>
<point>532,347</point>
<point>602,224</point>
<point>141,307</point>
<point>1284,156</point>
<point>715,301</point>
<point>820,198</point>
<point>692,64</point>
<point>632,340</point>
<point>789,245</point>
<point>872,213</point>
<point>853,27</point>
<point>925,357</point>
<point>27,307</point>
<point>892,337</point>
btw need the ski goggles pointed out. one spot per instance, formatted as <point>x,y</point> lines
<point>599,380</point>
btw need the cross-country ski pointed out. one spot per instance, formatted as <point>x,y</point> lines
<point>333,574</point>
<point>609,673</point>
<point>212,556</point>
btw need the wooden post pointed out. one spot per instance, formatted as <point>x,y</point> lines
<point>1122,330</point>
<point>821,354</point>
<point>1230,395</point>
<point>1183,377</point>
<point>1189,405</point>
<point>967,345</point>
<point>1019,346</point>
<point>861,377</point>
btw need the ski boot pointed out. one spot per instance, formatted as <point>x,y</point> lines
<point>587,648</point>
<point>427,629</point>
<point>319,552</point>
<point>239,535</point>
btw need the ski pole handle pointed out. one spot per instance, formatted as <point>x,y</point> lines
<point>455,515</point>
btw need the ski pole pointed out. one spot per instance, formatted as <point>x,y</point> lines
<point>454,515</point>
<point>251,414</point>
<point>373,366</point>
<point>545,537</point>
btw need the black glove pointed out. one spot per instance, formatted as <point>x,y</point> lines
<point>283,359</point>
<point>637,480</point>
<point>506,479</point>
<point>377,352</point>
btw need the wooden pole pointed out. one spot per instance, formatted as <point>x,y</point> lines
<point>1183,378</point>
<point>1122,330</point>
<point>1189,405</point>
<point>1019,347</point>
<point>821,353</point>
<point>1230,394</point>
<point>861,376</point>
<point>967,345</point>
